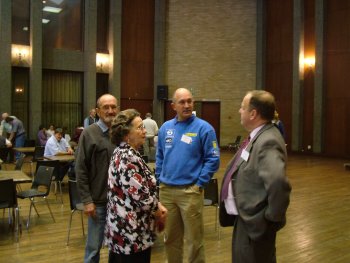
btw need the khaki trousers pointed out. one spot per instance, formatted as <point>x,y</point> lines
<point>185,220</point>
<point>148,148</point>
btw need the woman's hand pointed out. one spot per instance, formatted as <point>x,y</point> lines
<point>161,216</point>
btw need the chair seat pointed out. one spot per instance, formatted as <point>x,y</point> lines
<point>31,193</point>
<point>4,205</point>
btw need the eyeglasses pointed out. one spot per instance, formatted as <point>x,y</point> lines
<point>107,107</point>
<point>141,127</point>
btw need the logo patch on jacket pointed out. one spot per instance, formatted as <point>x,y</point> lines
<point>170,133</point>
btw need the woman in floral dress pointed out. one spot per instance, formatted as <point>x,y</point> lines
<point>133,210</point>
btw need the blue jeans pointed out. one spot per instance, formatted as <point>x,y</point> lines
<point>95,235</point>
<point>19,142</point>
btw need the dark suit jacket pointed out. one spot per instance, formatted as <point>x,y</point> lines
<point>260,185</point>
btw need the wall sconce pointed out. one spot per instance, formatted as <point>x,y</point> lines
<point>309,63</point>
<point>19,90</point>
<point>102,63</point>
<point>20,55</point>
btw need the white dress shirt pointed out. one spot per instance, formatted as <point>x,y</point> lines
<point>53,146</point>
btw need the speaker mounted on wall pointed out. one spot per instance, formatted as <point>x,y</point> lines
<point>162,92</point>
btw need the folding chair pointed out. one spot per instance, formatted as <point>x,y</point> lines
<point>40,188</point>
<point>55,178</point>
<point>211,198</point>
<point>235,145</point>
<point>37,155</point>
<point>8,199</point>
<point>75,204</point>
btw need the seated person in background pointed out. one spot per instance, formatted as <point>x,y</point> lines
<point>42,136</point>
<point>75,139</point>
<point>56,145</point>
<point>65,135</point>
<point>50,131</point>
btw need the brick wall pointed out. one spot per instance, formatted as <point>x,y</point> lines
<point>211,50</point>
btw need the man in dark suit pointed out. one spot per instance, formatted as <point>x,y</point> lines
<point>255,190</point>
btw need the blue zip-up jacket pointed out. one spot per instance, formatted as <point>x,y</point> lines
<point>187,152</point>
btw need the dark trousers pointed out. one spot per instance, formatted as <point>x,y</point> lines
<point>140,257</point>
<point>62,170</point>
<point>246,250</point>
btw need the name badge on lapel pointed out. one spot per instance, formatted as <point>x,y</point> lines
<point>186,139</point>
<point>245,155</point>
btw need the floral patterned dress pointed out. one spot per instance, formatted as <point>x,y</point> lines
<point>132,201</point>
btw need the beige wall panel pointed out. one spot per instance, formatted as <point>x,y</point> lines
<point>211,50</point>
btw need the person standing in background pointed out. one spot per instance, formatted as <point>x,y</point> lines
<point>152,130</point>
<point>92,118</point>
<point>255,190</point>
<point>5,128</point>
<point>18,133</point>
<point>279,124</point>
<point>187,158</point>
<point>91,168</point>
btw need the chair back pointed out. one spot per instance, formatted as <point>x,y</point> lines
<point>4,152</point>
<point>7,193</point>
<point>49,163</point>
<point>211,192</point>
<point>238,139</point>
<point>235,145</point>
<point>74,197</point>
<point>43,178</point>
<point>38,153</point>
<point>20,161</point>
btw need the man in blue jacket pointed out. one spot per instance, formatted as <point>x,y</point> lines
<point>187,157</point>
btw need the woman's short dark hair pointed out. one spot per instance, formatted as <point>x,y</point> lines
<point>121,125</point>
